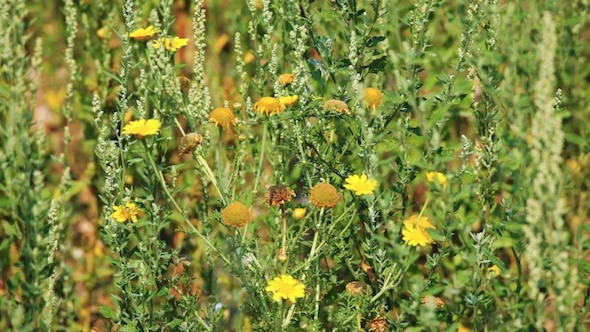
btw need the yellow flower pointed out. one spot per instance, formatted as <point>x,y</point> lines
<point>249,57</point>
<point>268,105</point>
<point>142,34</point>
<point>463,328</point>
<point>414,232</point>
<point>299,213</point>
<point>324,195</point>
<point>171,44</point>
<point>440,178</point>
<point>122,213</point>
<point>336,105</point>
<point>494,271</point>
<point>236,214</point>
<point>421,222</point>
<point>142,128</point>
<point>286,79</point>
<point>289,101</point>
<point>361,185</point>
<point>373,98</point>
<point>286,287</point>
<point>101,32</point>
<point>416,236</point>
<point>223,117</point>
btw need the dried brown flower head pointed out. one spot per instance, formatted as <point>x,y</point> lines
<point>236,215</point>
<point>336,105</point>
<point>189,142</point>
<point>278,195</point>
<point>432,300</point>
<point>324,195</point>
<point>355,287</point>
<point>185,84</point>
<point>377,324</point>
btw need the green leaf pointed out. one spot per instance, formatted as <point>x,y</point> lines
<point>503,242</point>
<point>377,65</point>
<point>107,312</point>
<point>373,41</point>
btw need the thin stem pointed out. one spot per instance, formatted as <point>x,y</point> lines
<point>264,130</point>
<point>173,201</point>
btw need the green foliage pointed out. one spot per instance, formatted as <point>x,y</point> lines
<point>111,226</point>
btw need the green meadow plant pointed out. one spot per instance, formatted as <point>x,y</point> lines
<point>295,165</point>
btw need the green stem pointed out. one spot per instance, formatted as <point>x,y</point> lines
<point>173,201</point>
<point>261,157</point>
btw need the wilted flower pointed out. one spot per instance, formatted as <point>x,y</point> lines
<point>432,301</point>
<point>278,195</point>
<point>188,142</point>
<point>185,84</point>
<point>336,105</point>
<point>355,287</point>
<point>378,324</point>
<point>286,287</point>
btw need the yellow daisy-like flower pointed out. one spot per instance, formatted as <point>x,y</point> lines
<point>361,185</point>
<point>286,79</point>
<point>416,236</point>
<point>414,232</point>
<point>289,101</point>
<point>336,105</point>
<point>421,222</point>
<point>440,177</point>
<point>223,117</point>
<point>142,34</point>
<point>373,98</point>
<point>142,128</point>
<point>171,45</point>
<point>268,106</point>
<point>286,287</point>
<point>122,213</point>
